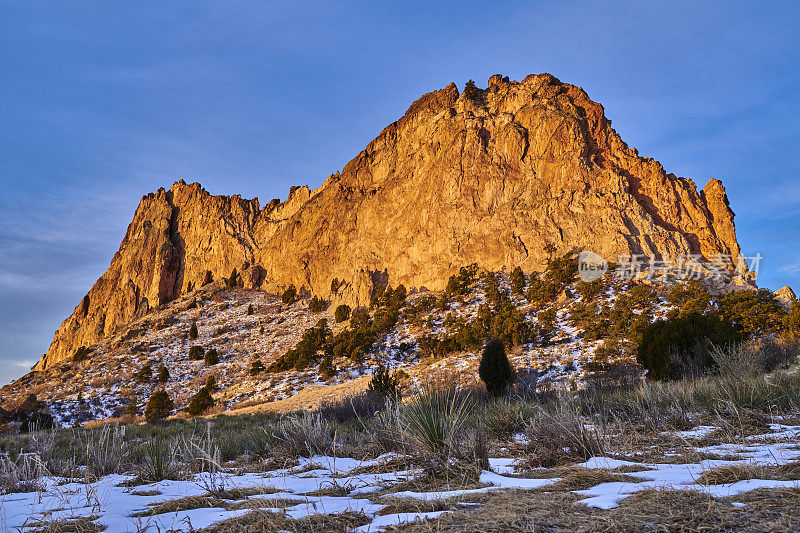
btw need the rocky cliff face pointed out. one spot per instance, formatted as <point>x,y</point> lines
<point>499,180</point>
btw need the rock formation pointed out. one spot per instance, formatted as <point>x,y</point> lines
<point>785,295</point>
<point>526,170</point>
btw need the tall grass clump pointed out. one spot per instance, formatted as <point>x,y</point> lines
<point>305,435</point>
<point>106,451</point>
<point>557,434</point>
<point>23,475</point>
<point>434,421</point>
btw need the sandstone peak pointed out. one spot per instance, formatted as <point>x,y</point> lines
<point>501,180</point>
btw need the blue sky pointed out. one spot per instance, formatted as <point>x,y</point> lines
<point>102,102</point>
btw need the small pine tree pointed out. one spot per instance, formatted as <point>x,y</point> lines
<point>250,309</point>
<point>200,403</point>
<point>494,369</point>
<point>145,374</point>
<point>233,279</point>
<point>193,331</point>
<point>326,367</point>
<point>159,407</point>
<point>133,408</point>
<point>384,382</point>
<point>316,305</point>
<point>289,295</point>
<point>211,383</point>
<point>517,280</point>
<point>257,367</point>
<point>196,353</point>
<point>472,92</point>
<point>163,374</point>
<point>342,313</point>
<point>211,357</point>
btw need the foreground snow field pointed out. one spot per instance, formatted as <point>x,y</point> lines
<point>363,487</point>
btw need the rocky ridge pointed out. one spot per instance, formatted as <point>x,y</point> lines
<point>510,177</point>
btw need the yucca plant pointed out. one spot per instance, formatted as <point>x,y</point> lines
<point>434,421</point>
<point>159,460</point>
<point>503,417</point>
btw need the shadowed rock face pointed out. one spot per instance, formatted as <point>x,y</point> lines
<point>533,165</point>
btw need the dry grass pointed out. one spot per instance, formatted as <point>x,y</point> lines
<point>579,478</point>
<point>67,525</point>
<point>206,502</point>
<point>260,520</point>
<point>145,492</point>
<point>723,475</point>
<point>648,511</point>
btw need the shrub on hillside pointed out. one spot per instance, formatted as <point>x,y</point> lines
<point>211,357</point>
<point>681,346</point>
<point>200,403</point>
<point>145,374</point>
<point>256,367</point>
<point>196,353</point>
<point>459,284</point>
<point>689,298</point>
<point>233,279</point>
<point>334,285</point>
<point>289,295</point>
<point>37,421</point>
<point>590,290</point>
<point>494,369</point>
<point>541,291</point>
<point>211,383</point>
<point>81,354</point>
<point>193,331</point>
<point>385,382</point>
<point>317,305</point>
<point>792,320</point>
<point>342,313</point>
<point>163,373</point>
<point>517,280</point>
<point>159,407</point>
<point>326,367</point>
<point>754,313</point>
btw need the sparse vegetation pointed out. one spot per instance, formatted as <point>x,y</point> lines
<point>289,295</point>
<point>81,354</point>
<point>193,331</point>
<point>233,279</point>
<point>163,373</point>
<point>385,382</point>
<point>196,353</point>
<point>145,374</point>
<point>317,305</point>
<point>211,357</point>
<point>159,407</point>
<point>342,313</point>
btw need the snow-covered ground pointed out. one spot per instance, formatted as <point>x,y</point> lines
<point>295,490</point>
